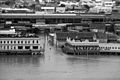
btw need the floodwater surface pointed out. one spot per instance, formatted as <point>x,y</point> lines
<point>55,65</point>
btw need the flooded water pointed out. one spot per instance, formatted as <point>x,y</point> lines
<point>55,65</point>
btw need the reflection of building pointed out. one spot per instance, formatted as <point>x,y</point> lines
<point>29,60</point>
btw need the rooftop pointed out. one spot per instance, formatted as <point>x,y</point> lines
<point>18,36</point>
<point>64,15</point>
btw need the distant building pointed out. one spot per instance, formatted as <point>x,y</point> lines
<point>3,1</point>
<point>48,1</point>
<point>48,9</point>
<point>100,5</point>
<point>60,9</point>
<point>69,3</point>
<point>108,3</point>
<point>87,2</point>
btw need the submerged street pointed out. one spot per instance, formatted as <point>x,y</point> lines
<point>55,65</point>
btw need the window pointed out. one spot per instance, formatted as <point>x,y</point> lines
<point>112,47</point>
<point>4,41</point>
<point>7,47</point>
<point>11,41</point>
<point>28,41</point>
<point>27,47</point>
<point>115,47</point>
<point>11,47</point>
<point>14,47</point>
<point>14,41</point>
<point>118,47</point>
<point>37,41</point>
<point>1,42</point>
<point>25,41</point>
<point>33,41</point>
<point>1,47</point>
<point>4,47</point>
<point>109,47</point>
<point>7,41</point>
<point>18,42</point>
<point>21,41</point>
<point>35,47</point>
<point>20,47</point>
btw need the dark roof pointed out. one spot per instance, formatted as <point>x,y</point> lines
<point>62,34</point>
<point>115,16</point>
<point>100,35</point>
<point>75,35</point>
<point>81,35</point>
<point>97,26</point>
<point>112,37</point>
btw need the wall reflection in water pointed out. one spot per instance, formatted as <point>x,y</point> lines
<point>27,60</point>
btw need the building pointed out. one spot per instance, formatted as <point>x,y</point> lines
<point>48,9</point>
<point>15,43</point>
<point>108,3</point>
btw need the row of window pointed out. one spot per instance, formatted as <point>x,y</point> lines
<point>87,48</point>
<point>18,47</point>
<point>19,42</point>
<point>93,48</point>
<point>108,48</point>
